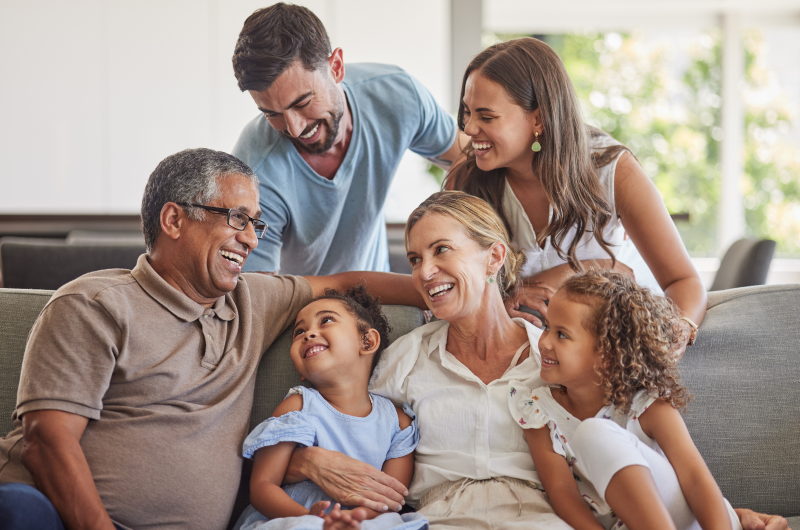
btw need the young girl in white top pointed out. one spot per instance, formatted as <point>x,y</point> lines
<point>606,352</point>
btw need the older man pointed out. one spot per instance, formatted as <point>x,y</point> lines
<point>136,386</point>
<point>326,147</point>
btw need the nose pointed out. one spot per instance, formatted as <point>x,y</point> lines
<point>470,126</point>
<point>247,237</point>
<point>295,125</point>
<point>427,269</point>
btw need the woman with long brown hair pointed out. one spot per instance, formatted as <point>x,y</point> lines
<point>567,192</point>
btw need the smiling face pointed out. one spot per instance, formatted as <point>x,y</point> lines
<point>305,106</point>
<point>449,269</point>
<point>327,345</point>
<point>211,252</point>
<point>502,132</point>
<point>568,349</point>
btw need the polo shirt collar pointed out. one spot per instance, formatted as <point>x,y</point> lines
<point>172,299</point>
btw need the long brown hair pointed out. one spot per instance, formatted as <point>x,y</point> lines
<point>535,78</point>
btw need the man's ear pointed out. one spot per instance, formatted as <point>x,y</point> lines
<point>172,219</point>
<point>336,65</point>
<point>370,342</point>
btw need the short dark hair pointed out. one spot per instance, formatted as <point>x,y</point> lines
<point>275,37</point>
<point>367,311</point>
<point>190,176</point>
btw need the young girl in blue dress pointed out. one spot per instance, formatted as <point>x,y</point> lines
<point>337,341</point>
<point>606,437</point>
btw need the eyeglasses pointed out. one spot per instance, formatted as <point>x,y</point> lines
<point>236,218</point>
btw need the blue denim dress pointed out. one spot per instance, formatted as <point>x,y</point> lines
<point>373,439</point>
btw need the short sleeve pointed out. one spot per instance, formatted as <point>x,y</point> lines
<point>266,257</point>
<point>437,129</point>
<point>291,427</point>
<point>406,440</point>
<point>526,407</point>
<point>641,401</point>
<point>69,358</point>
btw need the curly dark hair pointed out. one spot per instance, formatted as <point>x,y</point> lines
<point>635,331</point>
<point>367,311</point>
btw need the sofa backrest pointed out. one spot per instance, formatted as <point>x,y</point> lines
<point>744,372</point>
<point>18,311</point>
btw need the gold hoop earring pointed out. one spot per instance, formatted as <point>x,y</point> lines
<point>536,147</point>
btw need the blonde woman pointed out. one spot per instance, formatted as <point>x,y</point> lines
<point>567,192</point>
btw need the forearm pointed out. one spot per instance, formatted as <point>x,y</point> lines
<point>707,503</point>
<point>60,471</point>
<point>390,287</point>
<point>570,506</point>
<point>690,296</point>
<point>272,501</point>
<point>300,465</point>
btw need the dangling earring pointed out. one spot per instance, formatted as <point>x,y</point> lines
<point>536,147</point>
<point>490,279</point>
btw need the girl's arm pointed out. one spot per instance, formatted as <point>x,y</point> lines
<point>558,482</point>
<point>269,466</point>
<point>662,422</point>
<point>649,225</point>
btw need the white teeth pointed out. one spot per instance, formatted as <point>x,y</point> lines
<point>311,133</point>
<point>548,361</point>
<point>482,145</point>
<point>444,287</point>
<point>315,349</point>
<point>231,256</point>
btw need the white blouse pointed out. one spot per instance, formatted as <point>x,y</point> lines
<point>464,424</point>
<point>541,259</point>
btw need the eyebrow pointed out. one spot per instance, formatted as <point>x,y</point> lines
<point>246,210</point>
<point>479,109</point>
<point>292,104</point>
<point>429,246</point>
<point>323,312</point>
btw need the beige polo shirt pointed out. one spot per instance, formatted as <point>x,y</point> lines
<point>167,386</point>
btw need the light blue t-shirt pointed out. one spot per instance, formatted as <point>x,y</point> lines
<point>319,226</point>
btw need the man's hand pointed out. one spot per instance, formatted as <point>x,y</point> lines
<point>533,295</point>
<point>349,481</point>
<point>758,521</point>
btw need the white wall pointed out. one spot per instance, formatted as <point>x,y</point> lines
<point>94,93</point>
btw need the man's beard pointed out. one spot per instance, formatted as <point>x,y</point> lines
<point>331,125</point>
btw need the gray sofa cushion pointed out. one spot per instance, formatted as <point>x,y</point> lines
<point>744,372</point>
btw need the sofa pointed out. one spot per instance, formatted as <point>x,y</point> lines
<point>744,373</point>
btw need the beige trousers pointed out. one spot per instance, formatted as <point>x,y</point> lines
<point>501,503</point>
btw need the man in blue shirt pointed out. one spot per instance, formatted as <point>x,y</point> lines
<point>326,148</point>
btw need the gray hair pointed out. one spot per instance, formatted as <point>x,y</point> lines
<point>190,176</point>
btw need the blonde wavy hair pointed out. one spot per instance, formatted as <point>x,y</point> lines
<point>635,332</point>
<point>482,224</point>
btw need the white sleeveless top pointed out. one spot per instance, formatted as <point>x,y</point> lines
<point>541,259</point>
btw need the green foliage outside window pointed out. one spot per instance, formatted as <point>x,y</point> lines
<point>628,87</point>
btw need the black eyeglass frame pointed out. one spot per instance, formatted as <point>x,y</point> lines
<point>227,211</point>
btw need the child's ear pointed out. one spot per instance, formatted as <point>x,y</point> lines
<point>370,342</point>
